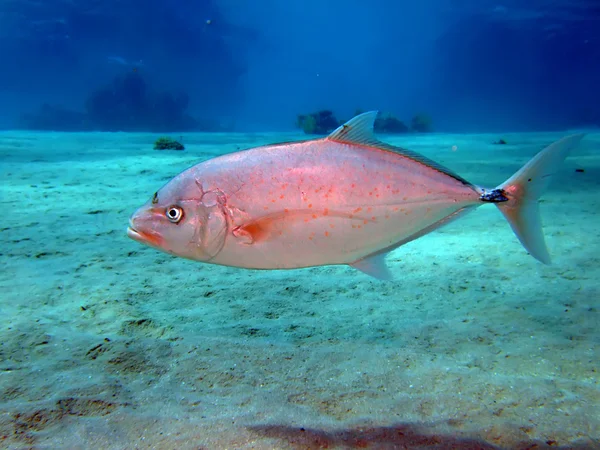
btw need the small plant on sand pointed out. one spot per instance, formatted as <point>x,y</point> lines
<point>167,143</point>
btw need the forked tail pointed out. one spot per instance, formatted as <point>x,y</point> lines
<point>524,188</point>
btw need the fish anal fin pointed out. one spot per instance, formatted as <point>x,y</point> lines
<point>374,266</point>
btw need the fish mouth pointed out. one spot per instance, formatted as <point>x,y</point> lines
<point>143,237</point>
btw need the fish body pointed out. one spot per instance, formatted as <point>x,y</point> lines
<point>344,199</point>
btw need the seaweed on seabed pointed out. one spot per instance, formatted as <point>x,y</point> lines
<point>321,122</point>
<point>167,143</point>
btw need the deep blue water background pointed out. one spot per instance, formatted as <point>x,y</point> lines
<point>471,65</point>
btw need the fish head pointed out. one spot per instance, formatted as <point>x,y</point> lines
<point>183,220</point>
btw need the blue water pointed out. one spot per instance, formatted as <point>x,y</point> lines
<point>105,343</point>
<point>473,66</point>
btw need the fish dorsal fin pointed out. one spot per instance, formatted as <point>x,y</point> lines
<point>359,131</point>
<point>375,266</point>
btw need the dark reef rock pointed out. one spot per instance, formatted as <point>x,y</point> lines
<point>321,122</point>
<point>500,142</point>
<point>127,104</point>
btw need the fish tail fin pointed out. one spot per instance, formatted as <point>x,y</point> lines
<point>522,191</point>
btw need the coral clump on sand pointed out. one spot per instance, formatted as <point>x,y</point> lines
<point>125,104</point>
<point>422,123</point>
<point>388,123</point>
<point>167,143</point>
<point>320,122</point>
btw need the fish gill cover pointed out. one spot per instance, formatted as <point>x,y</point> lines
<point>208,65</point>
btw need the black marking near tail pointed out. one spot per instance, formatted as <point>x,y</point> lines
<point>494,196</point>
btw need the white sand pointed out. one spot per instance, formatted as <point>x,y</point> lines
<point>105,343</point>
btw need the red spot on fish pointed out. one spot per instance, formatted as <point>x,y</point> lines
<point>282,196</point>
<point>365,221</point>
<point>310,205</point>
<point>359,209</point>
<point>327,234</point>
<point>314,216</point>
<point>325,212</point>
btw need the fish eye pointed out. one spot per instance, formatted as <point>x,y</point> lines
<point>174,213</point>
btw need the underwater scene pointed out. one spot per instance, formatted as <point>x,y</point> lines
<point>315,224</point>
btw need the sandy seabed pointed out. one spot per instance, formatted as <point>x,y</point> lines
<point>107,344</point>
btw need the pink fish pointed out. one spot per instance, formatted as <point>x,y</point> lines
<point>344,199</point>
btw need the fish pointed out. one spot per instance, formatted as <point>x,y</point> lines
<point>344,199</point>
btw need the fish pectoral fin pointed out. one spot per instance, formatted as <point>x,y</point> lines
<point>263,228</point>
<point>374,266</point>
<point>252,232</point>
<point>274,225</point>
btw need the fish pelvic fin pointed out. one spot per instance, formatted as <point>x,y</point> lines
<point>522,191</point>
